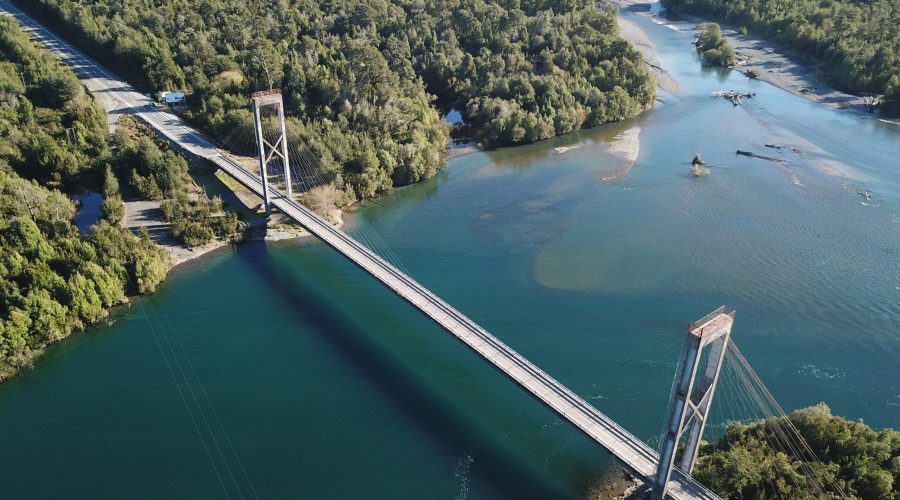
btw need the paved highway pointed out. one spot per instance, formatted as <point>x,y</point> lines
<point>117,96</point>
<point>639,458</point>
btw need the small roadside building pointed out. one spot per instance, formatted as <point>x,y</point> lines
<point>172,98</point>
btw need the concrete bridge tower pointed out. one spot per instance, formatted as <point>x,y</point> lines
<point>690,406</point>
<point>268,151</point>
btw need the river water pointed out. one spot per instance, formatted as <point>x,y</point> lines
<point>281,370</point>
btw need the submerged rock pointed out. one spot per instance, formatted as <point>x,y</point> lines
<point>699,170</point>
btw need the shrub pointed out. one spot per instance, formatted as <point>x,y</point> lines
<point>195,223</point>
<point>715,48</point>
<point>113,209</point>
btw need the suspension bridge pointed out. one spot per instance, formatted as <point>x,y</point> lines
<point>632,452</point>
<point>708,340</point>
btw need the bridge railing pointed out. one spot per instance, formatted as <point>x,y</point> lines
<point>439,308</point>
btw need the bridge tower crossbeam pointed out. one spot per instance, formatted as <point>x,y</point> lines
<point>269,153</point>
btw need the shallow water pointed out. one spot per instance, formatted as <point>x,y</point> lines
<point>89,212</point>
<point>283,370</point>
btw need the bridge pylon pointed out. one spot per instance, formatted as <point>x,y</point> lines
<point>269,152</point>
<point>690,406</point>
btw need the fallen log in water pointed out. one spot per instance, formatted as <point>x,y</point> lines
<point>734,97</point>
<point>761,157</point>
<point>731,93</point>
<point>782,148</point>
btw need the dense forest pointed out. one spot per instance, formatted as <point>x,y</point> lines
<point>54,280</point>
<point>743,464</point>
<point>364,80</point>
<point>854,44</point>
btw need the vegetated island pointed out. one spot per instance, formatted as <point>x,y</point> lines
<point>713,47</point>
<point>747,462</point>
<point>854,45</point>
<point>364,80</point>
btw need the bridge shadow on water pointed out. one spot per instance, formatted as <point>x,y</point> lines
<point>496,465</point>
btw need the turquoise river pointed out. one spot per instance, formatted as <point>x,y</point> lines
<point>282,371</point>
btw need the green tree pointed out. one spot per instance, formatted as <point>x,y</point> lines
<point>854,44</point>
<point>53,279</point>
<point>359,76</point>
<point>715,48</point>
<point>745,464</point>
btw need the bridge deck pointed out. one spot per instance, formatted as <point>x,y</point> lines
<point>631,451</point>
<point>634,453</point>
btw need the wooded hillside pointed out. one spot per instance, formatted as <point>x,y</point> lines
<point>54,280</point>
<point>364,80</point>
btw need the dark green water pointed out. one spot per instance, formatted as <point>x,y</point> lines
<point>298,376</point>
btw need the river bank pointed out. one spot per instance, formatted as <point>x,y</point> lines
<point>638,38</point>
<point>780,66</point>
<point>336,366</point>
<point>616,486</point>
<point>146,214</point>
<point>776,64</point>
<point>462,149</point>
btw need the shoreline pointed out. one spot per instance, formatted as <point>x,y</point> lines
<point>637,37</point>
<point>780,71</point>
<point>146,214</point>
<point>616,485</point>
<point>274,229</point>
<point>463,149</point>
<point>180,255</point>
<point>777,64</point>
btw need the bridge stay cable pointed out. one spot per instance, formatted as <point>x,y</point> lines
<point>743,398</point>
<point>782,426</point>
<point>360,225</point>
<point>181,393</point>
<point>634,453</point>
<point>189,380</point>
<point>305,171</point>
<point>218,420</point>
<point>751,412</point>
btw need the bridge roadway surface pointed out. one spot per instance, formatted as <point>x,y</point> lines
<point>639,458</point>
